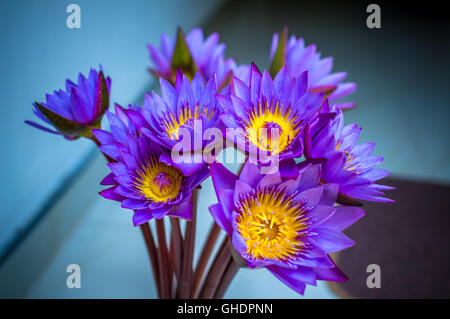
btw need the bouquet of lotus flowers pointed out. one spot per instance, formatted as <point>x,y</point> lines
<point>301,184</point>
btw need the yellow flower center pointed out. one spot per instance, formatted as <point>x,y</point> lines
<point>271,224</point>
<point>272,129</point>
<point>172,123</point>
<point>158,182</point>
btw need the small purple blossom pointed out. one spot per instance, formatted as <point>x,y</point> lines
<point>207,55</point>
<point>300,58</point>
<point>78,109</point>
<point>348,164</point>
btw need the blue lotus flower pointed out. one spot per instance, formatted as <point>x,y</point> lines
<point>288,226</point>
<point>142,176</point>
<point>78,109</point>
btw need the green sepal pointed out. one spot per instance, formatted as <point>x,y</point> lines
<point>70,129</point>
<point>62,124</point>
<point>347,200</point>
<point>236,256</point>
<point>101,95</point>
<point>87,130</point>
<point>279,58</point>
<point>182,57</point>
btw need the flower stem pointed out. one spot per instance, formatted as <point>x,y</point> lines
<point>225,274</point>
<point>204,257</point>
<point>152,252</point>
<point>158,256</point>
<point>188,251</point>
<point>177,242</point>
<point>163,259</point>
<point>216,271</point>
<point>228,276</point>
<point>172,267</point>
<point>242,166</point>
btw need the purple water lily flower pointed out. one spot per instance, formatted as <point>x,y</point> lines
<point>348,164</point>
<point>207,55</point>
<point>180,116</point>
<point>288,226</point>
<point>78,109</point>
<point>142,177</point>
<point>300,58</point>
<point>269,116</point>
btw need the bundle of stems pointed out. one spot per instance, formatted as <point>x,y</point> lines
<point>174,272</point>
<point>173,264</point>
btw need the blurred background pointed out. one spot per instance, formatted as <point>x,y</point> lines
<point>51,215</point>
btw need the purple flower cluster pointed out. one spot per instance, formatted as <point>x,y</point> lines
<point>286,220</point>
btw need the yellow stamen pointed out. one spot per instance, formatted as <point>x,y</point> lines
<point>263,119</point>
<point>157,181</point>
<point>172,123</point>
<point>271,225</point>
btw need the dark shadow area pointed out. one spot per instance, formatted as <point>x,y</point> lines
<point>408,240</point>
